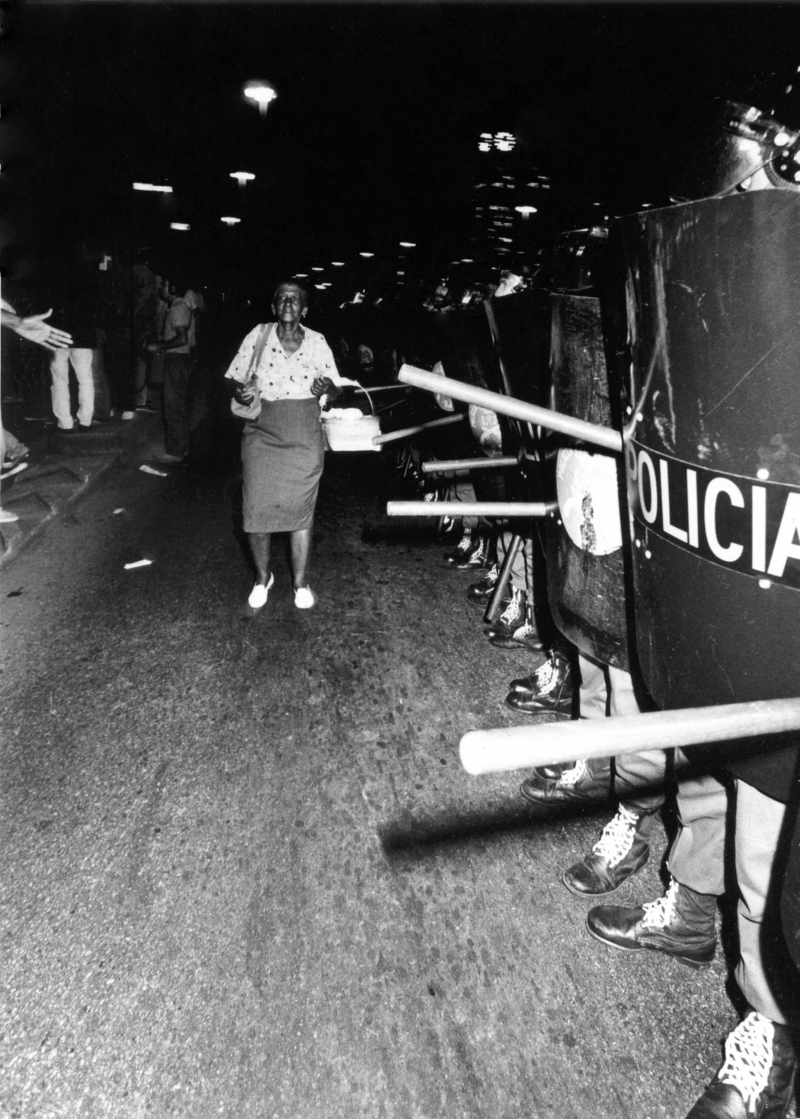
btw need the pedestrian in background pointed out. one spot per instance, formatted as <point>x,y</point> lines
<point>177,370</point>
<point>146,304</point>
<point>78,311</point>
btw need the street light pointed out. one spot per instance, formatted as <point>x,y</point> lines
<point>505,141</point>
<point>408,244</point>
<point>262,93</point>
<point>366,254</point>
<point>179,225</point>
<point>231,221</point>
<point>153,187</point>
<point>242,177</point>
<point>526,211</point>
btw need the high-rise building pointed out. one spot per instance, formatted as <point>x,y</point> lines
<point>506,192</point>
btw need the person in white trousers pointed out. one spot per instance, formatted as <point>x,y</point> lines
<point>80,359</point>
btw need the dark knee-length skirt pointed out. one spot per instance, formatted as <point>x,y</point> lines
<point>283,453</point>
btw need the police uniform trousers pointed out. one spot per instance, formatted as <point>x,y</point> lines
<point>522,564</point>
<point>639,777</point>
<point>697,860</point>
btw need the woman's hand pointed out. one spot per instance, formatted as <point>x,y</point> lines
<point>324,386</point>
<point>244,394</point>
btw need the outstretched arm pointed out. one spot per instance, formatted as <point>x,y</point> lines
<point>35,329</point>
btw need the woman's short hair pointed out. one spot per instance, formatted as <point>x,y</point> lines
<point>291,284</point>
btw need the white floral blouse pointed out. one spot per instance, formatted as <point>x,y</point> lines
<point>283,376</point>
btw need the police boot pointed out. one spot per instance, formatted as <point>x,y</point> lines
<point>549,688</point>
<point>681,924</point>
<point>579,786</point>
<point>540,682</point>
<point>478,557</point>
<point>525,636</point>
<point>482,590</point>
<point>512,617</point>
<point>756,1080</point>
<point>464,547</point>
<point>621,850</point>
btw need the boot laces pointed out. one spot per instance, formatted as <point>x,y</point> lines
<point>527,629</point>
<point>546,676</point>
<point>574,775</point>
<point>661,912</point>
<point>511,611</point>
<point>618,836</point>
<point>465,543</point>
<point>492,575</point>
<point>748,1058</point>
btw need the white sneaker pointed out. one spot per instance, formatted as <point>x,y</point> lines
<point>7,517</point>
<point>128,416</point>
<point>304,598</point>
<point>259,593</point>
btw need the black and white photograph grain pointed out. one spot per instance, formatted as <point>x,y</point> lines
<point>400,559</point>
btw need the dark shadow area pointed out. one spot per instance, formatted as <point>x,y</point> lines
<point>420,838</point>
<point>422,532</point>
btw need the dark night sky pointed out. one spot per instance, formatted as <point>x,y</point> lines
<point>374,130</point>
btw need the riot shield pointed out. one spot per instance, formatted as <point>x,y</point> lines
<point>585,568</point>
<point>713,458</point>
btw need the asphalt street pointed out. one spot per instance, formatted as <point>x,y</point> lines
<point>244,873</point>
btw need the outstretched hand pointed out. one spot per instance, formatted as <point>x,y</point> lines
<point>35,329</point>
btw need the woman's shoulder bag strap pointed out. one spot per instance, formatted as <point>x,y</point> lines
<point>252,410</point>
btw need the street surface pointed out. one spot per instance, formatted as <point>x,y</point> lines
<point>244,874</point>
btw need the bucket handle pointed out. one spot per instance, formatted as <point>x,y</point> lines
<point>360,388</point>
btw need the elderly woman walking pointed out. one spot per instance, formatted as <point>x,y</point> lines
<point>285,367</point>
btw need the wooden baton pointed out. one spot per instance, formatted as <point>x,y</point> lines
<point>510,748</point>
<point>587,432</point>
<point>403,433</point>
<point>444,466</point>
<point>470,508</point>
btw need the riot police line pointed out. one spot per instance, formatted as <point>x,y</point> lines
<point>649,456</point>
